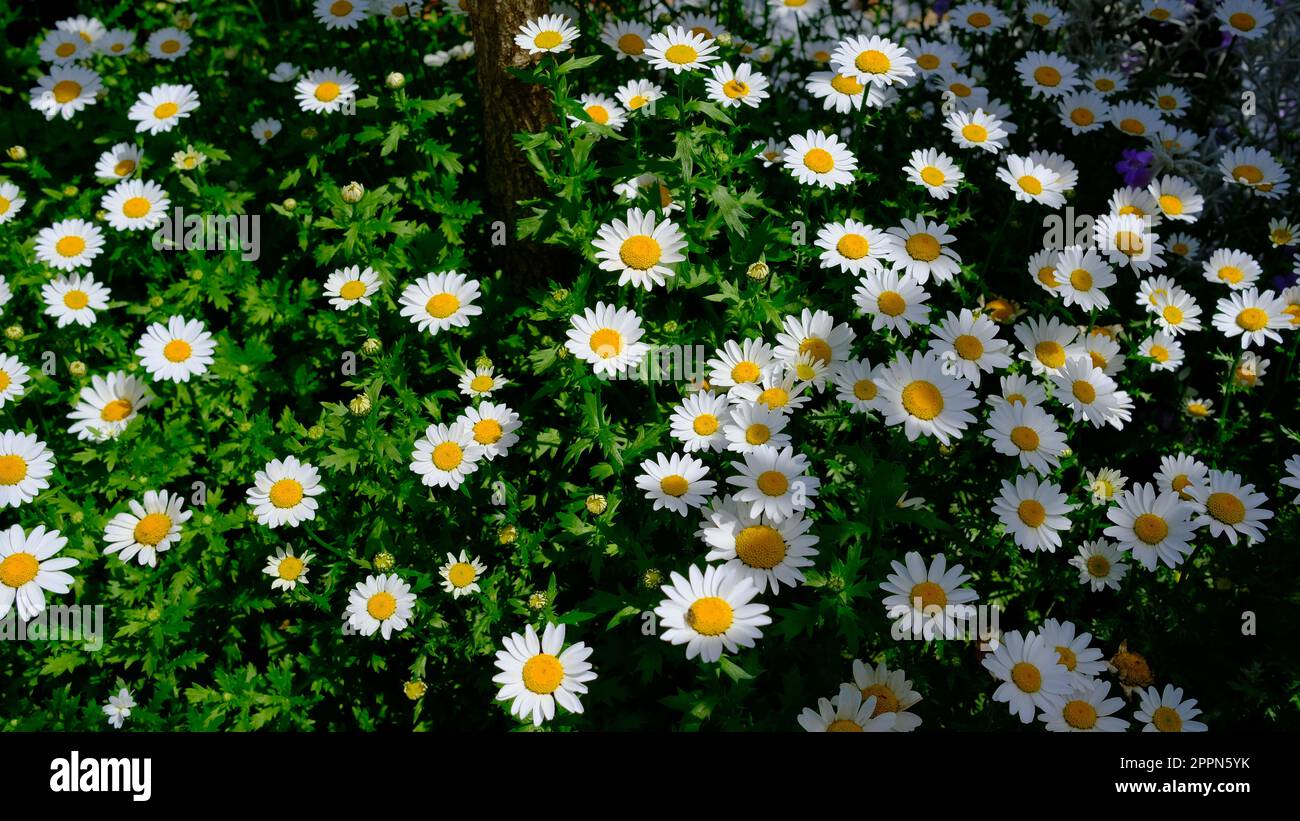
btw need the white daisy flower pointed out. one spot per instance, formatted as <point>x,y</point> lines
<point>848,712</point>
<point>460,575</point>
<point>710,612</point>
<point>29,569</point>
<point>116,43</point>
<point>1083,275</point>
<point>1236,269</point>
<point>1083,111</point>
<point>817,159</point>
<point>66,90</point>
<point>168,44</point>
<point>1179,473</point>
<point>264,129</point>
<point>600,110</point>
<point>929,602</point>
<point>90,29</point>
<point>287,570</point>
<point>968,344</point>
<point>355,285</point>
<point>1229,507</point>
<point>493,427</point>
<point>147,529</point>
<point>481,382</point>
<point>934,171</point>
<point>1083,662</point>
<point>853,247</point>
<point>538,673</point>
<point>285,493</point>
<point>892,691</point>
<point>1247,19</point>
<point>135,205</point>
<point>874,60</point>
<point>547,34</point>
<point>176,351</point>
<point>814,333</point>
<point>1031,673</point>
<point>1135,119</point>
<point>1048,343</point>
<point>326,91</point>
<point>732,87</point>
<point>1292,479</point>
<point>119,162</point>
<point>1177,313</point>
<point>1017,389</point>
<point>1029,432</point>
<point>1034,512</point>
<point>627,39</point>
<point>69,244</point>
<point>118,709</point>
<point>382,604</point>
<point>977,129</point>
<point>893,301</point>
<point>1282,233</point>
<point>750,426</point>
<point>446,454</point>
<point>61,47</point>
<point>735,364</point>
<point>1091,394</point>
<point>776,390</point>
<point>856,384</point>
<point>676,482</point>
<point>980,18</point>
<point>770,553</point>
<point>11,201</point>
<point>13,379</point>
<point>436,302</point>
<point>1099,565</point>
<point>917,394</point>
<point>639,95</point>
<point>841,92</point>
<point>107,405</point>
<point>774,482</point>
<point>921,249</point>
<point>74,298</point>
<point>1086,710</point>
<point>162,107</point>
<point>607,338</point>
<point>1153,527</point>
<point>1164,351</point>
<point>25,466</point>
<point>1046,74</point>
<point>1253,316</point>
<point>678,49</point>
<point>698,421</point>
<point>339,14</point>
<point>1044,15</point>
<point>1167,712</point>
<point>642,250</point>
<point>283,73</point>
<point>1256,169</point>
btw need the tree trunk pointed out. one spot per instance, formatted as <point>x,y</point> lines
<point>511,107</point>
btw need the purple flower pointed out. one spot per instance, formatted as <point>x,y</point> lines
<point>1135,168</point>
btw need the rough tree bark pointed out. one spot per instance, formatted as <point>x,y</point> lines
<point>510,107</point>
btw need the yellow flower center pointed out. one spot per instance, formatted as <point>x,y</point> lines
<point>640,252</point>
<point>844,725</point>
<point>929,62</point>
<point>285,493</point>
<point>66,91</point>
<point>1104,84</point>
<point>124,167</point>
<point>757,434</point>
<point>1098,567</point>
<point>864,389</point>
<point>543,674</point>
<point>178,350</point>
<point>170,46</point>
<point>674,485</point>
<point>487,431</point>
<point>1226,507</point>
<point>931,594</point>
<point>1150,528</point>
<point>1167,720</point>
<point>328,91</point>
<point>1250,173</point>
<point>1231,274</point>
<point>872,61</point>
<point>817,347</point>
<point>65,49</point>
<point>760,546</point>
<point>710,616</point>
<point>1080,715</point>
<point>353,289</point>
<point>1032,512</point>
<point>1047,276</point>
<point>735,89</point>
<point>923,247</point>
<point>1132,125</point>
<point>774,398</point>
<point>1081,279</point>
<point>968,347</point>
<point>681,54</point>
<point>1172,314</point>
<point>290,568</point>
<point>1167,102</point>
<point>1047,76</point>
<point>979,20</point>
<point>706,424</point>
<point>1030,185</point>
<point>1252,319</point>
<point>1082,117</point>
<point>5,380</point>
<point>1241,21</point>
<point>631,44</point>
<point>891,303</point>
<point>773,483</point>
<point>13,469</point>
<point>18,569</point>
<point>461,574</point>
<point>1027,677</point>
<point>76,300</point>
<point>744,372</point>
<point>1158,13</point>
<point>975,133</point>
<point>1084,391</point>
<point>606,342</point>
<point>165,110</point>
<point>960,89</point>
<point>547,39</point>
<point>340,8</point>
<point>70,246</point>
<point>1040,19</point>
<point>846,84</point>
<point>447,456</point>
<point>136,207</point>
<point>819,160</point>
<point>922,399</point>
<point>1025,438</point>
<point>932,176</point>
<point>116,410</point>
<point>853,246</point>
<point>598,113</point>
<point>1160,353</point>
<point>1017,399</point>
<point>1050,353</point>
<point>382,605</point>
<point>441,306</point>
<point>152,529</point>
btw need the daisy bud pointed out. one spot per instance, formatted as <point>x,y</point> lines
<point>101,215</point>
<point>14,332</point>
<point>78,517</point>
<point>560,294</point>
<point>77,368</point>
<point>395,80</point>
<point>724,39</point>
<point>245,427</point>
<point>289,204</point>
<point>17,153</point>
<point>315,432</point>
<point>835,582</point>
<point>670,327</point>
<point>596,504</point>
<point>353,191</point>
<point>652,578</point>
<point>482,362</point>
<point>507,534</point>
<point>155,301</point>
<point>758,271</point>
<point>538,600</point>
<point>70,190</point>
<point>245,369</point>
<point>562,353</point>
<point>360,405</point>
<point>371,346</point>
<point>308,133</point>
<point>385,562</point>
<point>415,690</point>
